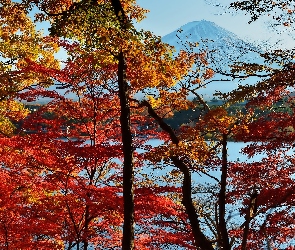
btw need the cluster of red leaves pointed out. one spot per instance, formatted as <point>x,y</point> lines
<point>272,137</point>
<point>63,178</point>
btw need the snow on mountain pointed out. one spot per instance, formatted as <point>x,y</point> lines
<point>220,43</point>
<point>222,46</point>
<point>198,30</point>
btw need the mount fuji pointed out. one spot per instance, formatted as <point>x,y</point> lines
<point>220,43</point>
<point>223,49</point>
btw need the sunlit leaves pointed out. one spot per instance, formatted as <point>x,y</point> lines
<point>19,41</point>
<point>218,120</point>
<point>190,147</point>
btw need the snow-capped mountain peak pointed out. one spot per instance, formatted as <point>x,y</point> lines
<point>221,43</point>
<point>223,48</point>
<point>201,30</point>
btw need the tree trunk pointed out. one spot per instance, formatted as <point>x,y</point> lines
<point>201,241</point>
<point>251,211</point>
<point>223,239</point>
<point>128,227</point>
<point>128,196</point>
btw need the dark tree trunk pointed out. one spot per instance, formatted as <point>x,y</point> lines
<point>201,241</point>
<point>251,211</point>
<point>128,197</point>
<point>86,224</point>
<point>128,227</point>
<point>222,229</point>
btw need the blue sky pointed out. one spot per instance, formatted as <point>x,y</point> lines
<point>166,16</point>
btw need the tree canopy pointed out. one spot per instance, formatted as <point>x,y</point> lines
<point>99,167</point>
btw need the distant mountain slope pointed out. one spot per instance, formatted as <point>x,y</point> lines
<point>223,44</point>
<point>223,48</point>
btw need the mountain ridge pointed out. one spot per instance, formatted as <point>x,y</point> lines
<point>213,38</point>
<point>204,26</point>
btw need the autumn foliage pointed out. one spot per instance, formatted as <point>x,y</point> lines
<point>62,164</point>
